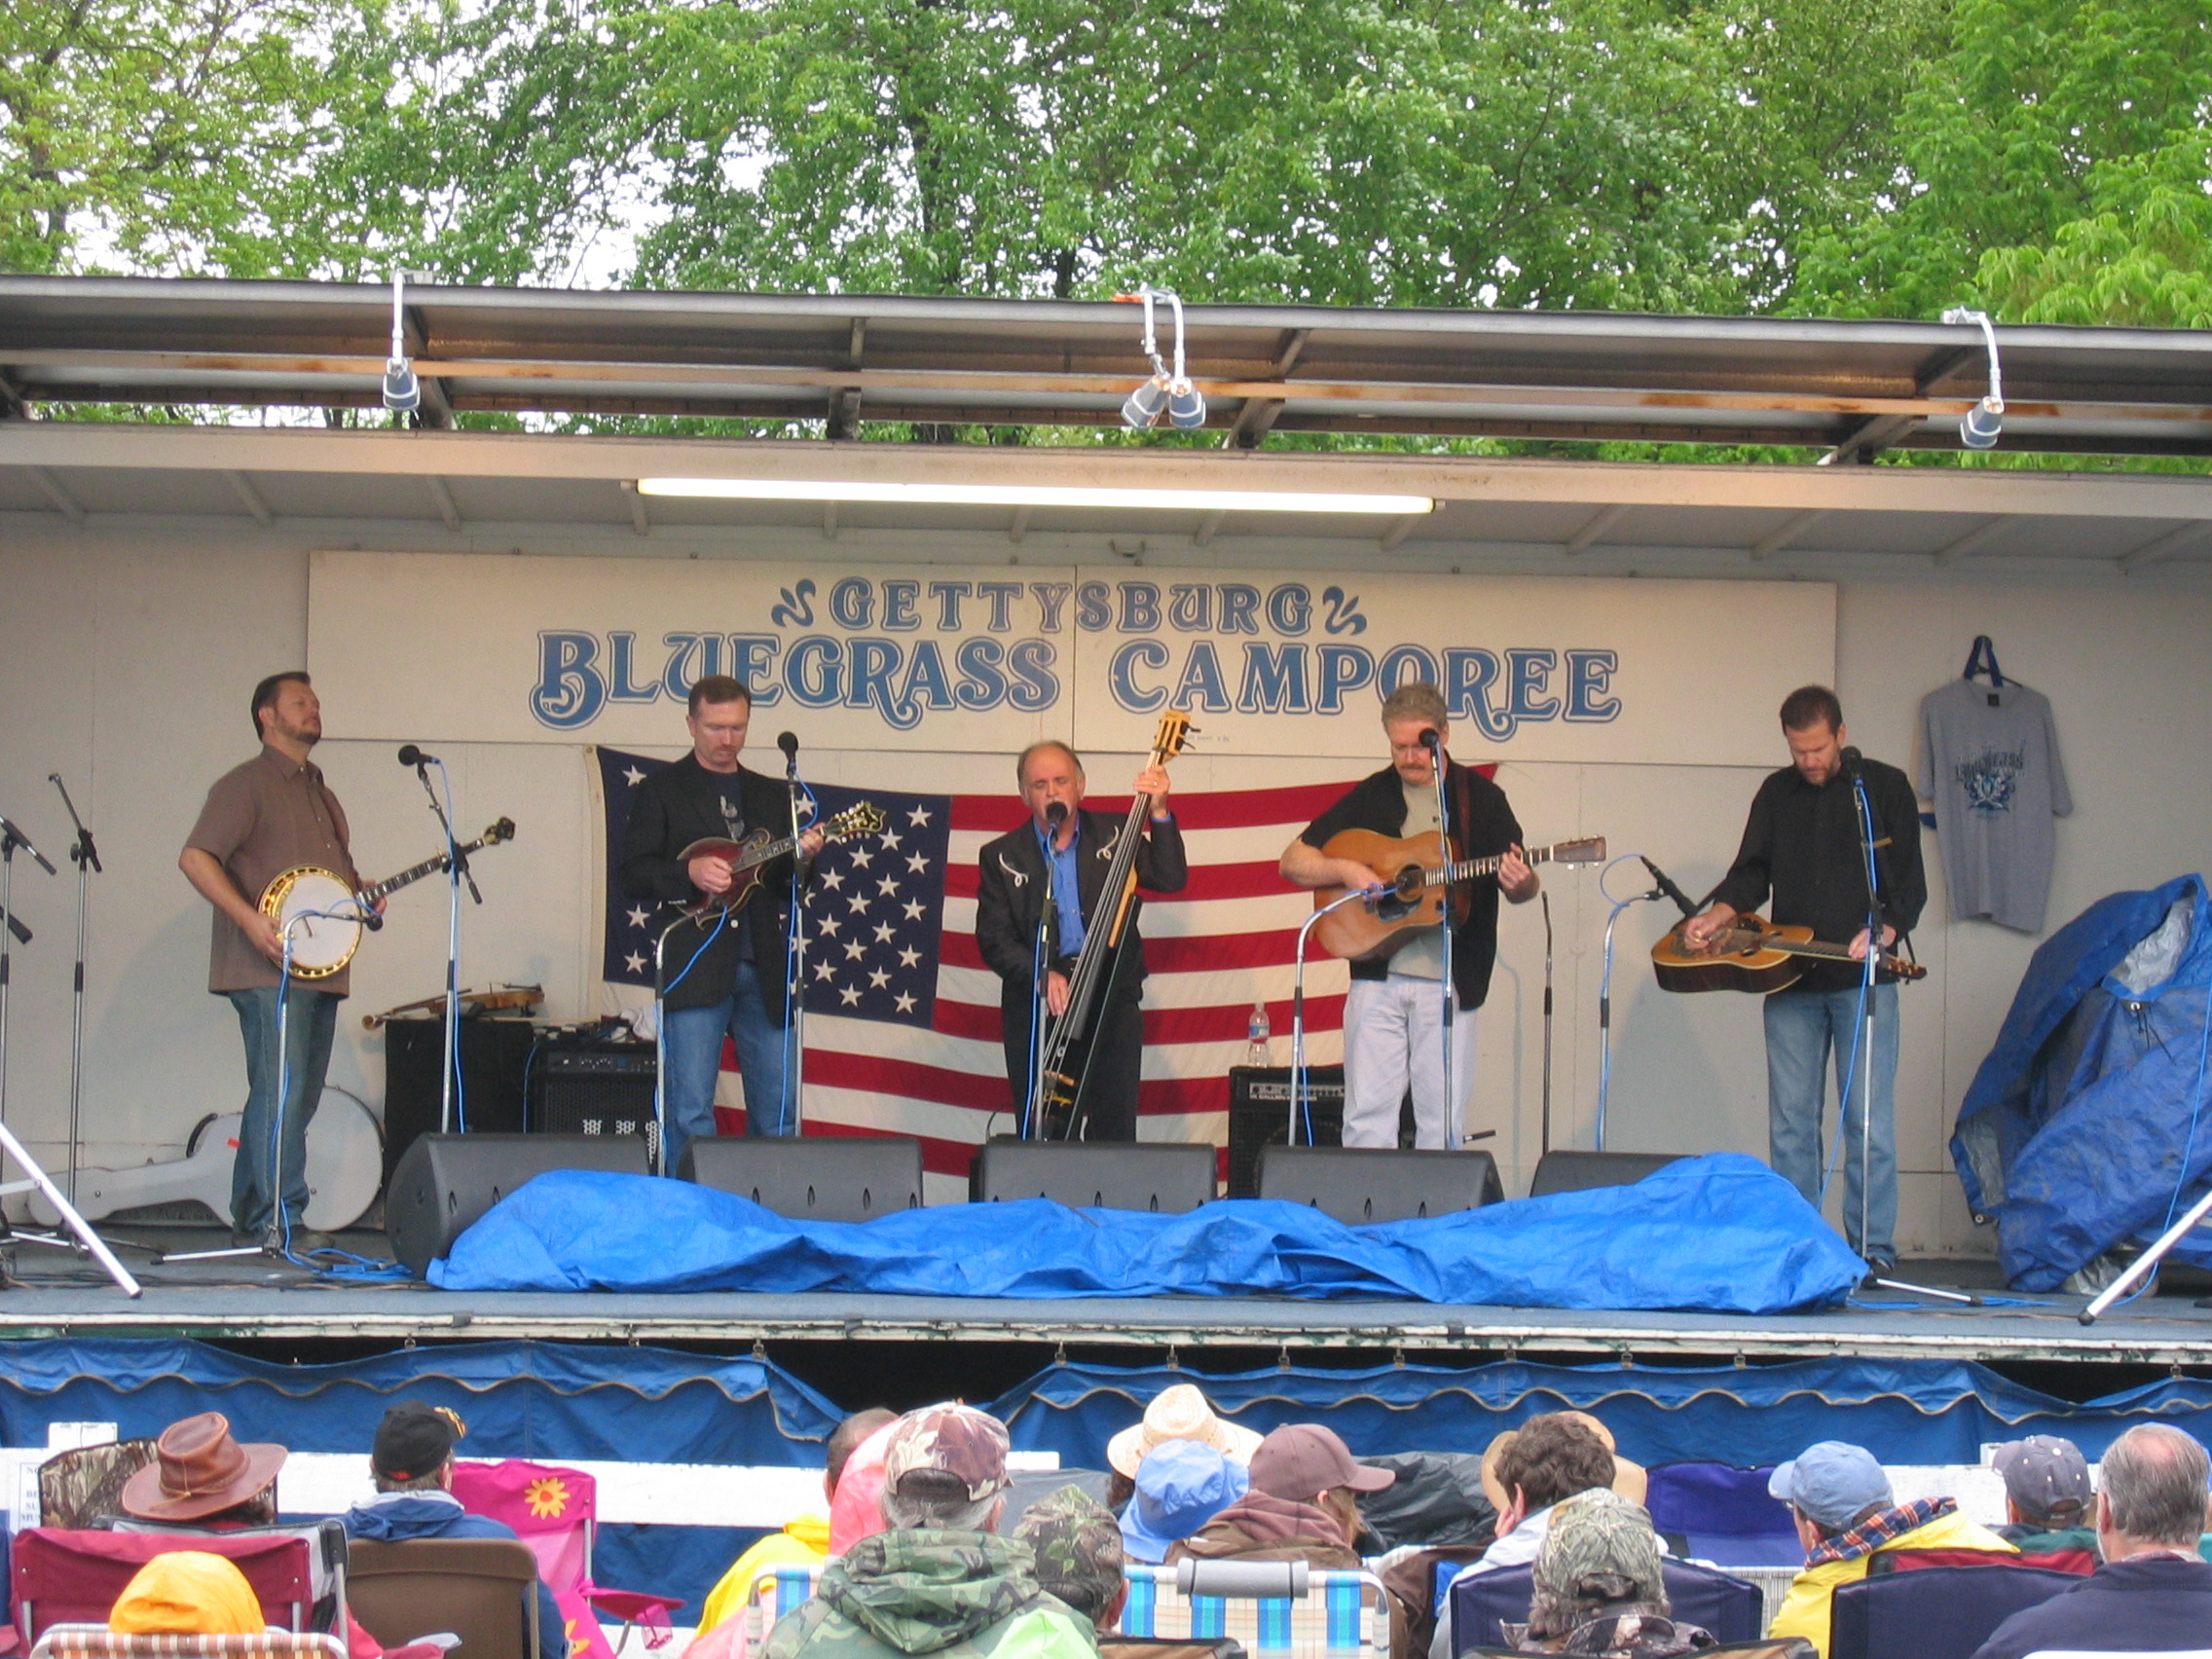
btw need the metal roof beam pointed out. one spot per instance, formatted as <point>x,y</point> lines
<point>1785,533</point>
<point>64,504</point>
<point>441,494</point>
<point>249,497</point>
<point>14,405</point>
<point>1594,526</point>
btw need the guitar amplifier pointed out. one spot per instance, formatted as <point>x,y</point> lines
<point>588,1087</point>
<point>1258,1117</point>
<point>494,1053</point>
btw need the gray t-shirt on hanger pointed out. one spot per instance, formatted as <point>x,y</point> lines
<point>1989,761</point>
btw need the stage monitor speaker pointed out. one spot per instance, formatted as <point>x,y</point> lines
<point>826,1178</point>
<point>1258,1117</point>
<point>445,1183</point>
<point>1361,1186</point>
<point>1171,1178</point>
<point>494,1055</point>
<point>1561,1171</point>
<point>594,1087</point>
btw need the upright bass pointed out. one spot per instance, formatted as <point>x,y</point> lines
<point>1059,1085</point>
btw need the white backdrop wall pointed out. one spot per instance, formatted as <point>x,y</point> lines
<point>127,656</point>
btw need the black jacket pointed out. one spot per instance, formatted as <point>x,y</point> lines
<point>1483,825</point>
<point>675,807</point>
<point>1803,843</point>
<point>1011,893</point>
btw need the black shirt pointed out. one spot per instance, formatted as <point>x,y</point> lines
<point>1803,844</point>
<point>1482,826</point>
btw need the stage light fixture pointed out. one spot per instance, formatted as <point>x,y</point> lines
<point>1186,405</point>
<point>402,391</point>
<point>1979,428</point>
<point>971,495</point>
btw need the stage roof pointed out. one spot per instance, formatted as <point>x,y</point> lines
<point>220,355</point>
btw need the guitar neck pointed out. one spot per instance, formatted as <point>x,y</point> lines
<point>429,866</point>
<point>1467,869</point>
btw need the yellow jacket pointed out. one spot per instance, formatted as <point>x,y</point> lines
<point>1805,1610</point>
<point>803,1542</point>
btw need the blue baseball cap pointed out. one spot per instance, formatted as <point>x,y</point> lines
<point>1181,1485</point>
<point>1832,1482</point>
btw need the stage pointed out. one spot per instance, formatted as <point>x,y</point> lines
<point>257,1300</point>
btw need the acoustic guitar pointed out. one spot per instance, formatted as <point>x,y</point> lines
<point>1419,873</point>
<point>1754,954</point>
<point>336,912</point>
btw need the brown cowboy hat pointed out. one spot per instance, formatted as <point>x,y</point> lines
<point>1629,1479</point>
<point>198,1470</point>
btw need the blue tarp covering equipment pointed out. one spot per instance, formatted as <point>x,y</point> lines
<point>2089,1112</point>
<point>1719,1234</point>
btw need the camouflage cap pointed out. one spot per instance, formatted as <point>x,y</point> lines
<point>939,1446</point>
<point>1599,1548</point>
<point>1077,1548</point>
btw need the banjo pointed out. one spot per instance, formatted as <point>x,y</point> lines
<point>336,913</point>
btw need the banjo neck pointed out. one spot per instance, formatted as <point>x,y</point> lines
<point>414,872</point>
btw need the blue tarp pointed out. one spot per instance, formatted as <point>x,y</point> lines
<point>2082,1126</point>
<point>1906,1412</point>
<point>1719,1234</point>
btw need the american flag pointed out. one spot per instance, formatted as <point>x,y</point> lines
<point>903,1016</point>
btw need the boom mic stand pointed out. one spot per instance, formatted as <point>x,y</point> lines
<point>1032,1116</point>
<point>456,871</point>
<point>795,955</point>
<point>86,857</point>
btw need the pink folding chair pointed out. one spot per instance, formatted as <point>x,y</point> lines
<point>555,1511</point>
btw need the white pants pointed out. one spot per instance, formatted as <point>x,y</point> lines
<point>1393,1036</point>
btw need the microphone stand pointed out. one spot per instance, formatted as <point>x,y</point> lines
<point>1605,998</point>
<point>1439,762</point>
<point>1299,1093</point>
<point>11,929</point>
<point>86,857</point>
<point>1545,1138</point>
<point>795,959</point>
<point>1039,964</point>
<point>659,1147</point>
<point>456,871</point>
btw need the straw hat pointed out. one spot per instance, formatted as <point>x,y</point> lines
<point>1629,1479</point>
<point>198,1470</point>
<point>1180,1413</point>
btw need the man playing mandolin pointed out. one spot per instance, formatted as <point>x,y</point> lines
<point>1078,846</point>
<point>272,814</point>
<point>1394,1012</point>
<point>1802,841</point>
<point>726,972</point>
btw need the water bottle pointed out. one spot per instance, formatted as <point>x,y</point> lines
<point>1256,1031</point>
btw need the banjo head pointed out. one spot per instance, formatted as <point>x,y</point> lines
<point>322,944</point>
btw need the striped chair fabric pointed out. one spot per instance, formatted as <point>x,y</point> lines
<point>1344,1615</point>
<point>97,1642</point>
<point>777,1591</point>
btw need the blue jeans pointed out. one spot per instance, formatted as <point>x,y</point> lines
<point>308,1034</point>
<point>1802,1028</point>
<point>693,1045</point>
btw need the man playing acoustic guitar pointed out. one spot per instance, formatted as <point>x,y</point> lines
<point>1802,842</point>
<point>1394,1012</point>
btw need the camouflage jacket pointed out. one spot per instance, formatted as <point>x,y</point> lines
<point>954,1595</point>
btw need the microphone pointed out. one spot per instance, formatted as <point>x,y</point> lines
<point>1056,814</point>
<point>1430,738</point>
<point>410,755</point>
<point>1850,760</point>
<point>787,742</point>
<point>1666,884</point>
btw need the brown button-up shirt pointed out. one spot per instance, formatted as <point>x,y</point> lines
<point>262,818</point>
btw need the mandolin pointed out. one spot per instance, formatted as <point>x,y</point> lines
<point>1418,875</point>
<point>746,856</point>
<point>1754,954</point>
<point>1102,935</point>
<point>334,913</point>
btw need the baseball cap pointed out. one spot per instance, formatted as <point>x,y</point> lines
<point>1601,1548</point>
<point>951,1441</point>
<point>413,1439</point>
<point>2047,1476</point>
<point>1077,1547</point>
<point>1833,1481</point>
<point>1301,1461</point>
<point>1180,1485</point>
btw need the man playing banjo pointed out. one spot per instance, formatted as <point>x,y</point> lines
<point>272,814</point>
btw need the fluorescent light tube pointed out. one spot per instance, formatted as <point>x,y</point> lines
<point>1037,495</point>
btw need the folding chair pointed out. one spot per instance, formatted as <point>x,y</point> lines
<point>1732,1610</point>
<point>483,1590</point>
<point>71,1578</point>
<point>776,1591</point>
<point>1783,1647</point>
<point>83,1487</point>
<point>325,1542</point>
<point>1275,1609</point>
<point>97,1642</point>
<point>1722,1514</point>
<point>1937,1612</point>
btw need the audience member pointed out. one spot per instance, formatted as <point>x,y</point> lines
<point>1597,1586</point>
<point>203,1479</point>
<point>2047,1495</point>
<point>939,1579</point>
<point>1529,1472</point>
<point>187,1593</point>
<point>855,1508</point>
<point>1845,1515</point>
<point>1078,1550</point>
<point>1302,1504</point>
<point>1179,1412</point>
<point>803,1541</point>
<point>2154,1592</point>
<point>1180,1486</point>
<point>410,1465</point>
